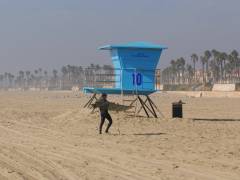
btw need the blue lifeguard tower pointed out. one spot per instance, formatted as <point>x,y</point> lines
<point>134,68</point>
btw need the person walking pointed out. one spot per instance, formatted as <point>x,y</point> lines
<point>103,105</point>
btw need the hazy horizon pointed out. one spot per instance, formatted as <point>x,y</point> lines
<point>49,34</point>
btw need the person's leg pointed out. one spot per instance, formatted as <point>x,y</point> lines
<point>109,118</point>
<point>101,123</point>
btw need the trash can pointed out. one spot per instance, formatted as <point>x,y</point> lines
<point>177,110</point>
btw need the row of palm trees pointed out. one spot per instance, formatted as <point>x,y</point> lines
<point>210,67</point>
<point>65,78</point>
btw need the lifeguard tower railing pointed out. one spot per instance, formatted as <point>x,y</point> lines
<point>137,79</point>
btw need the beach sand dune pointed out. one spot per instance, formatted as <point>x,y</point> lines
<point>48,135</point>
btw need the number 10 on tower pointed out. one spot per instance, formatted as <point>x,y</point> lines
<point>137,79</point>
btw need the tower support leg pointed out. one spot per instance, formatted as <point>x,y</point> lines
<point>154,105</point>
<point>148,106</point>
<point>153,110</point>
<point>143,105</point>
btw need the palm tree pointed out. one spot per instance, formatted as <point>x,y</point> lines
<point>81,73</point>
<point>92,74</point>
<point>215,64</point>
<point>190,73</point>
<point>65,75</point>
<point>6,80</point>
<point>40,71</point>
<point>10,78</point>
<point>69,70</point>
<point>228,70</point>
<point>234,55</point>
<point>222,58</point>
<point>76,74</point>
<point>207,55</point>
<point>203,62</point>
<point>174,71</point>
<point>194,59</point>
<point>64,71</point>
<point>40,77</point>
<point>166,75</point>
<point>28,77</point>
<point>1,79</point>
<point>46,78</point>
<point>219,59</point>
<point>55,72</point>
<point>45,73</point>
<point>181,64</point>
<point>36,72</point>
<point>55,77</point>
<point>32,80</point>
<point>36,78</point>
<point>21,78</point>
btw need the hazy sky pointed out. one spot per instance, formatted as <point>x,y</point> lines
<point>52,33</point>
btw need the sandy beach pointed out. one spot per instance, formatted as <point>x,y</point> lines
<point>48,135</point>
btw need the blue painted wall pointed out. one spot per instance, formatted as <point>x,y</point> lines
<point>135,68</point>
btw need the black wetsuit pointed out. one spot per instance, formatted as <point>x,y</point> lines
<point>103,105</point>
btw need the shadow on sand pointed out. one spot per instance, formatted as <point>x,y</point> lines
<point>138,134</point>
<point>149,134</point>
<point>214,119</point>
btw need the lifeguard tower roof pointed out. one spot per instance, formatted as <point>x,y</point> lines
<point>134,66</point>
<point>133,45</point>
